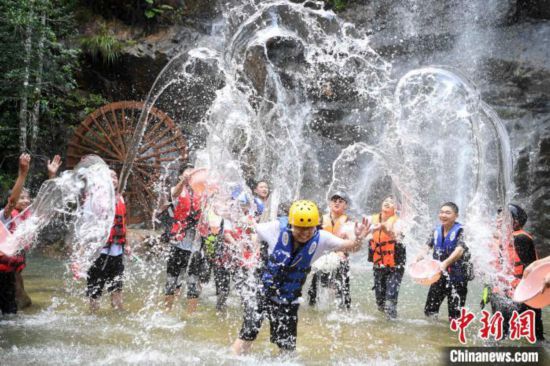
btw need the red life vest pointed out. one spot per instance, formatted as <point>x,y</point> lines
<point>249,255</point>
<point>17,218</point>
<point>118,230</point>
<point>187,212</point>
<point>15,263</point>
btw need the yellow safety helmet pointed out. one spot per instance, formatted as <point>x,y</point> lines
<point>303,213</point>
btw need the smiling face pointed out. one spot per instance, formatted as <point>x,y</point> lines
<point>262,190</point>
<point>303,234</point>
<point>447,215</point>
<point>388,206</point>
<point>24,201</point>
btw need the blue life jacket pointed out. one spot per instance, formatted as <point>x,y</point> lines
<point>283,222</point>
<point>444,247</point>
<point>286,272</point>
<point>260,206</point>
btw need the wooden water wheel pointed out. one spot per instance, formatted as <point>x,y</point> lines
<point>107,132</point>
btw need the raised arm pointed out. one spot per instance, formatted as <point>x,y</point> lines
<point>361,232</point>
<point>53,166</point>
<point>24,164</point>
<point>184,180</point>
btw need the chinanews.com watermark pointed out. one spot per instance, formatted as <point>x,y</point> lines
<point>520,326</point>
<point>495,356</point>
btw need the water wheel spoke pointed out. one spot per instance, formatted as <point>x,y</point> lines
<point>161,168</point>
<point>147,174</point>
<point>151,137</point>
<point>123,119</point>
<point>141,196</point>
<point>107,135</point>
<point>118,132</point>
<point>91,142</point>
<point>149,133</point>
<point>158,154</point>
<point>160,144</point>
<point>93,132</point>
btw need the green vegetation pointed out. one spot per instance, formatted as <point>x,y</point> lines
<point>155,9</point>
<point>337,5</point>
<point>104,46</point>
<point>39,97</point>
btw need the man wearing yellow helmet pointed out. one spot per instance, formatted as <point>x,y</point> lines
<point>291,251</point>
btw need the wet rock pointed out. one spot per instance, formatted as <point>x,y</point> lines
<point>285,51</point>
<point>255,67</point>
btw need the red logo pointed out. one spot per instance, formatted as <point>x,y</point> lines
<point>461,324</point>
<point>523,326</point>
<point>492,325</point>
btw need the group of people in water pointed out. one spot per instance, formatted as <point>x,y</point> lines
<point>269,260</point>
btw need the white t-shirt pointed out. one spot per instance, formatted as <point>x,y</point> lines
<point>269,232</point>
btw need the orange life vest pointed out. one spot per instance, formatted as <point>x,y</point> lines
<point>512,265</point>
<point>516,264</point>
<point>334,226</point>
<point>382,244</point>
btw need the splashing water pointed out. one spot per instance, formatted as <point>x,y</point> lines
<point>293,94</point>
<point>81,203</point>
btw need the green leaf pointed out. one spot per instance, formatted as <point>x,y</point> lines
<point>149,13</point>
<point>166,7</point>
<point>150,1</point>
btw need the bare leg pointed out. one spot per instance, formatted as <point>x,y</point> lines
<point>240,347</point>
<point>116,300</point>
<point>94,305</point>
<point>169,302</point>
<point>192,305</point>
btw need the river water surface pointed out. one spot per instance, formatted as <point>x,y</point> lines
<point>59,329</point>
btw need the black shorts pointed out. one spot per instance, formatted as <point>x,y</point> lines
<point>283,321</point>
<point>178,259</point>
<point>106,270</point>
<point>7,293</point>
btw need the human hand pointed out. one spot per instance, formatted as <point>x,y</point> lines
<point>443,266</point>
<point>53,166</point>
<point>187,173</point>
<point>362,229</point>
<point>24,164</point>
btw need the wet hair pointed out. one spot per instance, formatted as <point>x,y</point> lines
<point>518,214</point>
<point>254,184</point>
<point>452,205</point>
<point>184,166</point>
